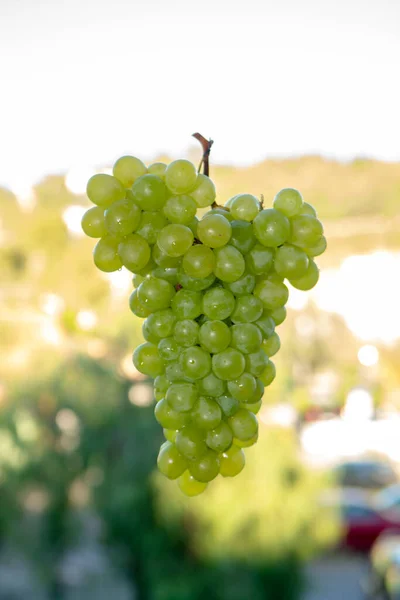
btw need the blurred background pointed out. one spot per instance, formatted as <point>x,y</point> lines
<point>300,94</point>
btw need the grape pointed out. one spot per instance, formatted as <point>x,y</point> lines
<point>127,169</point>
<point>278,315</point>
<point>306,231</point>
<point>317,249</point>
<point>243,286</point>
<point>271,227</point>
<point>290,262</point>
<point>220,438</point>
<point>181,397</point>
<point>214,336</point>
<point>168,349</point>
<point>220,210</point>
<point>266,324</point>
<point>147,360</point>
<point>170,434</point>
<point>163,260</point>
<point>259,393</point>
<point>195,362</point>
<point>256,362</point>
<point>180,209</point>
<point>273,294</point>
<point>161,322</point>
<point>170,274</point>
<point>309,279</point>
<point>218,303</point>
<point>308,209</point>
<point>289,202</point>
<point>206,468</point>
<point>268,375</point>
<point>186,304</point>
<point>246,337</point>
<point>229,202</point>
<point>137,280</point>
<point>228,405</point>
<point>93,222</point>
<point>161,384</point>
<point>169,418</point>
<point>245,207</point>
<point>151,223</point>
<point>260,259</point>
<point>232,461</point>
<point>243,424</point>
<point>157,168</point>
<point>198,262</point>
<point>122,218</point>
<point>174,240</point>
<point>193,283</point>
<point>206,413</point>
<point>228,364</point>
<point>186,332</point>
<point>229,264</point>
<point>242,388</point>
<point>155,294</point>
<point>248,308</point>
<point>210,386</point>
<point>148,335</point>
<point>149,192</point>
<point>134,252</point>
<point>190,486</point>
<point>193,225</point>
<point>137,307</point>
<point>170,462</point>
<point>242,238</point>
<point>247,443</point>
<point>190,443</point>
<point>181,177</point>
<point>204,191</point>
<point>105,255</point>
<point>103,190</point>
<point>253,407</point>
<point>272,344</point>
<point>174,373</point>
<point>214,231</point>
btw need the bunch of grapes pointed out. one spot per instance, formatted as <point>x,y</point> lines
<point>211,292</point>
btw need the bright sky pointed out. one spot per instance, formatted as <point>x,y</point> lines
<point>84,81</point>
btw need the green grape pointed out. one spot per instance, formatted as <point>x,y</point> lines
<point>246,337</point>
<point>190,486</point>
<point>245,207</point>
<point>105,255</point>
<point>168,349</point>
<point>273,294</point>
<point>180,209</point>
<point>220,210</point>
<point>195,362</point>
<point>193,283</point>
<point>289,202</point>
<point>122,218</point>
<point>269,373</point>
<point>243,424</point>
<point>243,286</point>
<point>170,274</point>
<point>232,462</point>
<point>161,384</point>
<point>259,393</point>
<point>199,262</point>
<point>161,322</point>
<point>272,345</point>
<point>103,190</point>
<point>306,231</point>
<point>186,332</point>
<point>148,335</point>
<point>214,336</point>
<point>127,169</point>
<point>214,231</point>
<point>278,315</point>
<point>137,307</point>
<point>151,223</point>
<point>242,238</point>
<point>309,279</point>
<point>190,443</point>
<point>206,468</point>
<point>163,260</point>
<point>218,303</point>
<point>228,405</point>
<point>203,192</point>
<point>169,418</point>
<point>181,177</point>
<point>157,168</point>
<point>170,434</point>
<point>156,294</point>
<point>186,304</point>
<point>220,438</point>
<point>290,261</point>
<point>228,364</point>
<point>247,443</point>
<point>174,373</point>
<point>147,360</point>
<point>243,388</point>
<point>93,222</point>
<point>134,252</point>
<point>147,269</point>
<point>271,227</point>
<point>256,362</point>
<point>248,308</point>
<point>193,225</point>
<point>260,259</point>
<point>266,324</point>
<point>137,280</point>
<point>181,396</point>
<point>316,250</point>
<point>229,264</point>
<point>308,209</point>
<point>206,413</point>
<point>170,462</point>
<point>174,240</point>
<point>150,192</point>
<point>253,407</point>
<point>229,202</point>
<point>210,386</point>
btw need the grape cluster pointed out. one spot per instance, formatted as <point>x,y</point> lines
<point>211,293</point>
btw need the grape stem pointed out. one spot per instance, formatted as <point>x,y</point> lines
<point>206,145</point>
